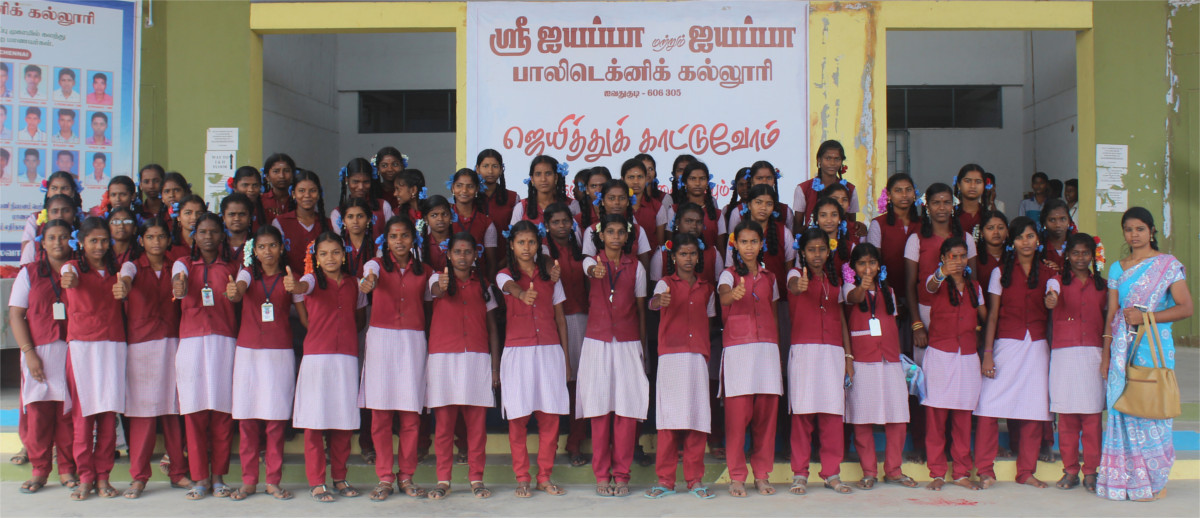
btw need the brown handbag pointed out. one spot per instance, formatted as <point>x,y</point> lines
<point>1150,392</point>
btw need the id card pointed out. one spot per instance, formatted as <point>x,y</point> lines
<point>206,296</point>
<point>268,312</point>
<point>60,311</point>
<point>876,329</point>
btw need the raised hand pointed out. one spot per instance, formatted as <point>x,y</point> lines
<point>368,283</point>
<point>599,271</point>
<point>739,291</point>
<point>179,286</point>
<point>555,272</point>
<point>529,296</point>
<point>289,281</point>
<point>802,281</point>
<point>1051,300</point>
<point>231,289</point>
<point>120,289</point>
<point>664,298</point>
<point>444,280</point>
<point>69,279</point>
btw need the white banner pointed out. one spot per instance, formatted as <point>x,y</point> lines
<point>595,83</point>
<point>68,84</point>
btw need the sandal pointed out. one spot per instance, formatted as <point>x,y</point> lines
<point>657,492</point>
<point>369,457</point>
<point>480,490</point>
<point>105,489</point>
<point>1068,481</point>
<point>411,488</point>
<point>621,489</point>
<point>460,459</point>
<point>197,492</point>
<point>550,488</point>
<point>20,458</point>
<point>345,489</point>
<point>69,480</point>
<point>523,491</point>
<point>32,486</point>
<point>764,487</point>
<point>737,489</point>
<point>1089,483</point>
<point>324,496</point>
<point>241,493</point>
<point>164,464</point>
<point>82,491</point>
<point>577,460</point>
<point>381,492</point>
<point>702,492</point>
<point>604,489</point>
<point>439,491</point>
<point>221,490</point>
<point>799,485</point>
<point>135,489</point>
<point>903,480</point>
<point>278,492</point>
<point>835,483</point>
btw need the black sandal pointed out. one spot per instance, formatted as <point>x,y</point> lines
<point>381,492</point>
<point>325,496</point>
<point>345,489</point>
<point>440,491</point>
<point>1089,483</point>
<point>480,490</point>
<point>1068,481</point>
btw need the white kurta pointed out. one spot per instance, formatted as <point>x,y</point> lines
<point>99,371</point>
<point>325,393</point>
<point>682,401</point>
<point>265,381</point>
<point>150,378</point>
<point>612,378</point>
<point>204,373</point>
<point>816,379</point>
<point>877,394</point>
<point>533,379</point>
<point>1075,383</point>
<point>1020,389</point>
<point>393,370</point>
<point>54,367</point>
<point>952,380</point>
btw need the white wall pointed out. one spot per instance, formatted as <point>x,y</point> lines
<point>300,102</point>
<point>1050,105</point>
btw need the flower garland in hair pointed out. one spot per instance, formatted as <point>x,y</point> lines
<point>668,246</point>
<point>1099,254</point>
<point>228,186</point>
<point>308,258</point>
<point>882,202</point>
<point>632,197</point>
<point>335,219</point>
<point>248,253</point>
<point>562,169</point>
<point>832,244</point>
<point>42,217</point>
<point>848,275</point>
<point>74,242</point>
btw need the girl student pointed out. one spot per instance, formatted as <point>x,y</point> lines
<point>1016,363</point>
<point>817,363</point>
<point>123,227</point>
<point>236,214</point>
<point>59,206</point>
<point>149,191</point>
<point>463,366</point>
<point>96,350</point>
<point>921,253</point>
<point>751,380</point>
<point>594,180</point>
<point>547,184</point>
<point>1056,229</point>
<point>857,230</point>
<point>175,188</point>
<point>358,234</point>
<point>389,162</point>
<point>829,217</point>
<point>410,191</point>
<point>563,248</point>
<point>761,207</point>
<point>60,182</point>
<point>615,200</point>
<point>119,193</point>
<point>152,326</point>
<point>468,215</point>
<point>279,176</point>
<point>359,179</point>
<point>499,202</point>
<point>1076,379</point>
<point>694,186</point>
<point>646,205</point>
<point>831,160</point>
<point>435,230</point>
<point>762,173</point>
<point>248,181</point>
<point>264,363</point>
<point>877,394</point>
<point>652,186</point>
<point>993,232</point>
<point>613,390</point>
<point>898,220</point>
<point>741,187</point>
<point>689,219</point>
<point>303,224</point>
<point>686,298</point>
<point>951,364</point>
<point>184,229</point>
<point>37,317</point>
<point>333,310</point>
<point>204,359</point>
<point>393,366</point>
<point>534,365</point>
<point>969,186</point>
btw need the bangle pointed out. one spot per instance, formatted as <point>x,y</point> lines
<point>849,356</point>
<point>1106,336</point>
<point>918,325</point>
<point>938,275</point>
<point>27,348</point>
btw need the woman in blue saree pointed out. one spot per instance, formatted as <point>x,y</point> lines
<point>1138,453</point>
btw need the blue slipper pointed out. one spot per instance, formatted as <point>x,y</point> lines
<point>702,492</point>
<point>662,491</point>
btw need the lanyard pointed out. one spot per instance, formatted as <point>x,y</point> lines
<point>269,291</point>
<point>205,271</point>
<point>57,287</point>
<point>612,281</point>
<point>871,302</point>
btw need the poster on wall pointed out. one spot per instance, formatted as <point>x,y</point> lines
<point>595,83</point>
<point>68,86</point>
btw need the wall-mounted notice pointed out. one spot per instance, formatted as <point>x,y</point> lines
<point>1112,155</point>
<point>68,81</point>
<point>1112,200</point>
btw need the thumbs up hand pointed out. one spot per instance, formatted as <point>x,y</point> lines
<point>800,284</point>
<point>120,289</point>
<point>599,271</point>
<point>664,298</point>
<point>555,272</point>
<point>368,283</point>
<point>69,279</point>
<point>529,296</point>
<point>740,290</point>
<point>231,290</point>
<point>1051,300</point>
<point>289,281</point>
<point>179,286</point>
<point>444,280</point>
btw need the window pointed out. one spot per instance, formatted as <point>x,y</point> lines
<point>944,107</point>
<point>406,111</point>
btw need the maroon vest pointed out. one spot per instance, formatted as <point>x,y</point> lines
<point>151,312</point>
<point>477,226</point>
<point>952,328</point>
<point>750,320</point>
<point>647,217</point>
<point>399,298</point>
<point>930,256</point>
<point>531,325</point>
<point>93,314</point>
<point>810,197</point>
<point>612,315</point>
<point>683,327</point>
<point>299,237</point>
<point>1079,316</point>
<point>256,334</point>
<point>460,321</point>
<point>1024,309</point>
<point>40,313</point>
<point>816,313</point>
<point>200,320</point>
<point>573,280</point>
<point>873,349</point>
<point>332,328</point>
<point>892,239</point>
<point>501,214</point>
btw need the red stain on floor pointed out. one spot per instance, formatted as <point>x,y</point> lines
<point>942,501</point>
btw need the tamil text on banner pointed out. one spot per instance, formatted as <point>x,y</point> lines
<point>595,83</point>
<point>68,74</point>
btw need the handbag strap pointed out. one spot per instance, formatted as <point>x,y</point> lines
<point>1149,328</point>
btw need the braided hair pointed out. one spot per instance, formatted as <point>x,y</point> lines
<point>631,164</point>
<point>624,188</point>
<point>223,251</point>
<point>680,211</point>
<point>585,215</point>
<point>178,230</point>
<point>773,220</point>
<point>384,152</point>
<point>681,240</point>
<point>484,284</point>
<point>948,245</point>
<point>135,249</point>
<point>739,265</point>
<point>926,222</point>
<point>815,234</point>
<point>152,222</point>
<point>256,268</point>
<point>302,175</point>
<point>609,219</point>
<point>73,210</point>
<point>1019,226</point>
<point>826,146</point>
<point>652,180</point>
<point>734,200</point>
<point>436,201</point>
<point>357,166</point>
<point>539,260</point>
<point>560,185</point>
<point>881,287</point>
<point>843,244</point>
<point>710,208</point>
<point>984,218</point>
<point>501,194</point>
<point>891,209</point>
<point>573,245</point>
<point>318,273</point>
<point>1090,243</point>
<point>178,179</point>
<point>89,225</point>
<point>367,250</point>
<point>1052,205</point>
<point>389,264</point>
<point>479,203</point>
<point>127,183</point>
